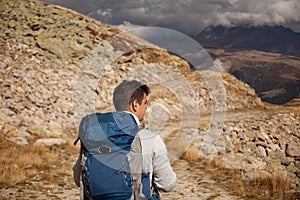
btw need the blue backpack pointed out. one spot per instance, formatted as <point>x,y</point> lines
<point>106,140</point>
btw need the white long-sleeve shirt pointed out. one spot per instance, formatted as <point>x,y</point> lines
<point>156,161</point>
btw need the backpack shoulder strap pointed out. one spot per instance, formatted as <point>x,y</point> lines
<point>135,160</point>
<point>76,141</point>
<point>78,175</point>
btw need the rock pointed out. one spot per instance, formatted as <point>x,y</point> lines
<point>297,164</point>
<point>292,168</point>
<point>274,147</point>
<point>261,152</point>
<point>50,141</point>
<point>262,136</point>
<point>263,144</point>
<point>36,130</point>
<point>238,148</point>
<point>293,150</point>
<point>287,161</point>
<point>18,140</point>
<point>297,173</point>
<point>276,155</point>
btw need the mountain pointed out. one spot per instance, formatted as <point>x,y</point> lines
<point>277,39</point>
<point>265,57</point>
<point>274,77</point>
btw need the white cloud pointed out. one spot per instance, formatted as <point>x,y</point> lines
<point>286,10</point>
<point>256,12</point>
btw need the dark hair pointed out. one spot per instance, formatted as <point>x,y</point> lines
<point>127,92</point>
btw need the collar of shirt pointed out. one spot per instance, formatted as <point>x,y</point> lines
<point>135,117</point>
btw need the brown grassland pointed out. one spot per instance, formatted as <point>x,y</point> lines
<point>32,162</point>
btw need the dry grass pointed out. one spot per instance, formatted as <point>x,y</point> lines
<point>261,186</point>
<point>21,163</point>
<point>270,185</point>
<point>192,153</point>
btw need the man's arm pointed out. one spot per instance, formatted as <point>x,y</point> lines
<point>163,174</point>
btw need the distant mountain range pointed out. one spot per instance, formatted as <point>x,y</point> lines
<point>276,39</point>
<point>253,54</point>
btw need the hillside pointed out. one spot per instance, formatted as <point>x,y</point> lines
<point>274,77</point>
<point>57,66</point>
<point>268,58</point>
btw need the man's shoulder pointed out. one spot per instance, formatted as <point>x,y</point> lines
<point>151,142</point>
<point>146,132</point>
<point>149,136</point>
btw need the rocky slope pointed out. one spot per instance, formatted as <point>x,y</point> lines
<point>57,66</point>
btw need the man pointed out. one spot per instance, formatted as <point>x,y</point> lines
<point>132,96</point>
<point>151,172</point>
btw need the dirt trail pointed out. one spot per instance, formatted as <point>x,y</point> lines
<point>196,183</point>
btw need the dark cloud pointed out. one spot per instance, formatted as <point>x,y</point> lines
<point>83,7</point>
<point>189,16</point>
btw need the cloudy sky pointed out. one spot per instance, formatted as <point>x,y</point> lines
<point>189,16</point>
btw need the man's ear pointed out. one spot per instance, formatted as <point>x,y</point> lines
<point>134,105</point>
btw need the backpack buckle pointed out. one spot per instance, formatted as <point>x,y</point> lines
<point>104,149</point>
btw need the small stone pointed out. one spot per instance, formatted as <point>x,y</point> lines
<point>261,152</point>
<point>292,150</point>
<point>50,141</point>
<point>287,161</point>
<point>297,174</point>
<point>19,140</point>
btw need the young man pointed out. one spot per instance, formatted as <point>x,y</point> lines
<point>131,96</point>
<point>151,171</point>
